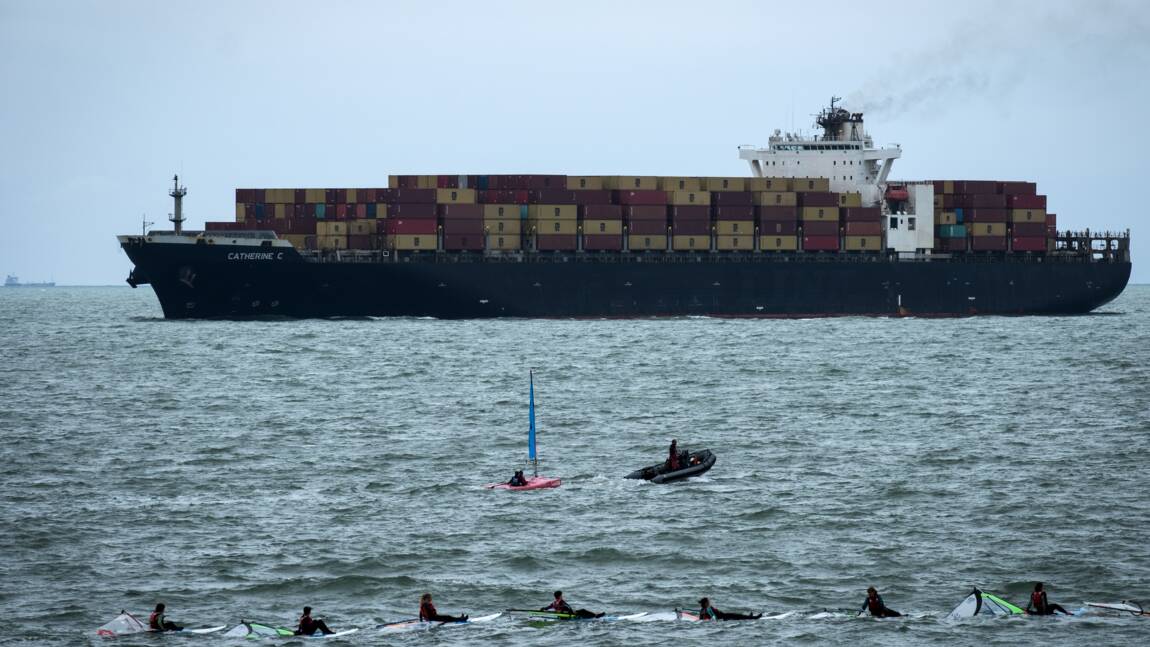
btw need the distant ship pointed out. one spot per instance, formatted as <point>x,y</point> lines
<point>14,282</point>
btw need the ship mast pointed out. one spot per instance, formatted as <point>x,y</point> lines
<point>178,192</point>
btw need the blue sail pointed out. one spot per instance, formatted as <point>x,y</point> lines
<point>531,432</point>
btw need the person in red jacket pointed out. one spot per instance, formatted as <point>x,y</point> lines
<point>157,621</point>
<point>1042,606</point>
<point>427,612</point>
<point>673,456</point>
<point>308,625</point>
<point>559,605</point>
<point>876,606</point>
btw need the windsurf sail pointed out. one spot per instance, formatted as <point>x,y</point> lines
<point>121,625</point>
<point>1125,606</point>
<point>257,630</point>
<point>984,604</point>
<point>531,430</point>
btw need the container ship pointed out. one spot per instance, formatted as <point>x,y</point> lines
<point>818,228</point>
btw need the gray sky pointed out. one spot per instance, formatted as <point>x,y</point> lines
<point>104,101</point>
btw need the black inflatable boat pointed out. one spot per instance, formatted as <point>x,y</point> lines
<point>696,463</point>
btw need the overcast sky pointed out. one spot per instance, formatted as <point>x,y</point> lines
<point>103,101</point>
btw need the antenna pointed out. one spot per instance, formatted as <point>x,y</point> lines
<point>178,192</point>
<point>145,224</point>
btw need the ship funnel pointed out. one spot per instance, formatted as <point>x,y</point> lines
<point>178,192</point>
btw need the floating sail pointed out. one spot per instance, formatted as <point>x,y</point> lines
<point>984,604</point>
<point>121,625</point>
<point>257,630</point>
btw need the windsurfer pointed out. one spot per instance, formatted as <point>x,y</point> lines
<point>708,612</point>
<point>876,606</point>
<point>559,605</point>
<point>427,612</point>
<point>308,625</point>
<point>1042,606</point>
<point>157,621</point>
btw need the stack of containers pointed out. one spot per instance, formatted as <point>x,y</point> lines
<point>734,216</point>
<point>690,213</point>
<point>503,225</point>
<point>461,218</point>
<point>601,221</point>
<point>982,211</point>
<point>331,235</point>
<point>1028,218</point>
<point>644,212</point>
<point>819,213</point>
<point>777,214</point>
<point>949,220</point>
<point>555,227</point>
<point>412,219</point>
<point>863,228</point>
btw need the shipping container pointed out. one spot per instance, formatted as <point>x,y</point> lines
<point>952,244</point>
<point>769,184</point>
<point>631,183</point>
<point>778,243</point>
<point>351,195</point>
<point>1028,215</point>
<point>806,184</point>
<point>315,196</point>
<point>818,199</point>
<point>331,228</point>
<point>680,184</point>
<point>363,242</point>
<point>696,212</point>
<point>686,198</point>
<point>647,227</point>
<point>732,198</point>
<point>829,214</point>
<point>503,242</point>
<point>1028,243</point>
<point>983,215</point>
<point>603,227</point>
<point>643,242</point>
<point>455,196</point>
<point>988,243</point>
<point>1022,229</point>
<point>820,228</point>
<point>593,197</point>
<point>735,243</point>
<point>864,228</point>
<point>602,242</point>
<point>418,210</point>
<point>980,201</point>
<point>777,214</point>
<point>504,226</point>
<point>778,228</point>
<point>1018,188</point>
<point>584,182</point>
<point>331,242</point>
<point>411,227</point>
<point>552,212</point>
<point>724,183</point>
<point>412,242</point>
<point>475,211</point>
<point>776,199</point>
<point>602,212</point>
<point>850,199</point>
<point>863,243</point>
<point>447,182</point>
<point>242,212</point>
<point>502,211</point>
<point>322,211</point>
<point>553,242</point>
<point>995,229</point>
<point>645,212</point>
<point>643,197</point>
<point>463,226</point>
<point>945,218</point>
<point>820,243</point>
<point>462,241</point>
<point>743,212</point>
<point>975,186</point>
<point>362,227</point>
<point>414,196</point>
<point>1026,202</point>
<point>543,181</point>
<point>943,186</point>
<point>690,227</point>
<point>554,196</point>
<point>952,231</point>
<point>360,211</point>
<point>735,227</point>
<point>1051,220</point>
<point>554,227</point>
<point>691,243</point>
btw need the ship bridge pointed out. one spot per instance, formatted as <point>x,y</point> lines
<point>844,153</point>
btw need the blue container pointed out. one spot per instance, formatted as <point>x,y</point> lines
<point>370,209</point>
<point>523,212</point>
<point>319,210</point>
<point>952,231</point>
<point>481,182</point>
<point>259,211</point>
<point>958,215</point>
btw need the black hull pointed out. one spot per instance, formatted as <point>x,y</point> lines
<point>658,473</point>
<point>200,281</point>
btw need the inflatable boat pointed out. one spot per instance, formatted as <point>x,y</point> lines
<point>693,464</point>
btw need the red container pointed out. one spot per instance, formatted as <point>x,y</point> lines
<point>463,242</point>
<point>542,182</point>
<point>329,196</point>
<point>820,228</point>
<point>641,197</point>
<point>735,212</point>
<point>948,200</point>
<point>692,227</point>
<point>1052,220</point>
<point>777,214</point>
<point>361,211</point>
<point>415,196</point>
<point>455,226</point>
<point>732,198</point>
<point>329,211</point>
<point>309,210</point>
<point>341,211</point>
<point>645,212</point>
<point>487,196</point>
<point>939,187</point>
<point>821,243</point>
<point>446,182</point>
<point>985,215</point>
<point>593,196</point>
<point>553,196</point>
<point>1028,243</point>
<point>988,243</point>
<point>818,199</point>
<point>864,228</point>
<point>1022,229</point>
<point>975,186</point>
<point>647,227</point>
<point>952,244</point>
<point>1017,188</point>
<point>778,228</point>
<point>602,212</point>
<point>980,201</point>
<point>597,242</point>
<point>555,242</point>
<point>518,196</point>
<point>297,211</point>
<point>691,212</point>
<point>407,226</point>
<point>242,197</point>
<point>341,195</point>
<point>861,214</point>
<point>458,211</point>
<point>1051,231</point>
<point>386,195</point>
<point>1026,201</point>
<point>299,196</point>
<point>422,210</point>
<point>361,241</point>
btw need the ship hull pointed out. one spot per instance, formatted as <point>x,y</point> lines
<point>197,281</point>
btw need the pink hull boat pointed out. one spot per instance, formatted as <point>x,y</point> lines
<point>533,483</point>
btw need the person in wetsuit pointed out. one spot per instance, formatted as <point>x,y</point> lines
<point>708,612</point>
<point>876,606</point>
<point>518,480</point>
<point>427,612</point>
<point>308,625</point>
<point>559,605</point>
<point>1042,606</point>
<point>157,621</point>
<point>673,456</point>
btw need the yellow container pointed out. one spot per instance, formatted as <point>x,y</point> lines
<point>700,243</point>
<point>554,226</point>
<point>987,228</point>
<point>850,199</point>
<point>410,242</point>
<point>503,226</point>
<point>735,227</point>
<point>352,194</point>
<point>603,227</point>
<point>778,243</point>
<point>455,196</point>
<point>680,184</point>
<point>241,211</point>
<point>946,218</point>
<point>687,198</point>
<point>552,212</point>
<point>502,241</point>
<point>584,182</point>
<point>631,182</point>
<point>501,211</point>
<point>735,243</point>
<point>773,184</point>
<point>365,227</point>
<point>1028,215</point>
<point>331,242</point>
<point>392,183</point>
<point>820,214</point>
<point>725,183</point>
<point>427,182</point>
<point>948,186</point>
<point>776,199</point>
<point>863,243</point>
<point>639,242</point>
<point>315,196</point>
<point>805,184</point>
<point>380,210</point>
<point>330,228</point>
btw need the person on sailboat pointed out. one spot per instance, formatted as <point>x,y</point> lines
<point>518,480</point>
<point>1042,606</point>
<point>157,621</point>
<point>708,612</point>
<point>427,612</point>
<point>876,606</point>
<point>673,456</point>
<point>559,605</point>
<point>308,625</point>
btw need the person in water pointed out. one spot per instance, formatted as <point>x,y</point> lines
<point>157,621</point>
<point>427,612</point>
<point>559,605</point>
<point>876,606</point>
<point>1042,606</point>
<point>673,455</point>
<point>308,625</point>
<point>517,479</point>
<point>708,612</point>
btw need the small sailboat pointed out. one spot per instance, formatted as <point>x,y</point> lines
<point>534,482</point>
